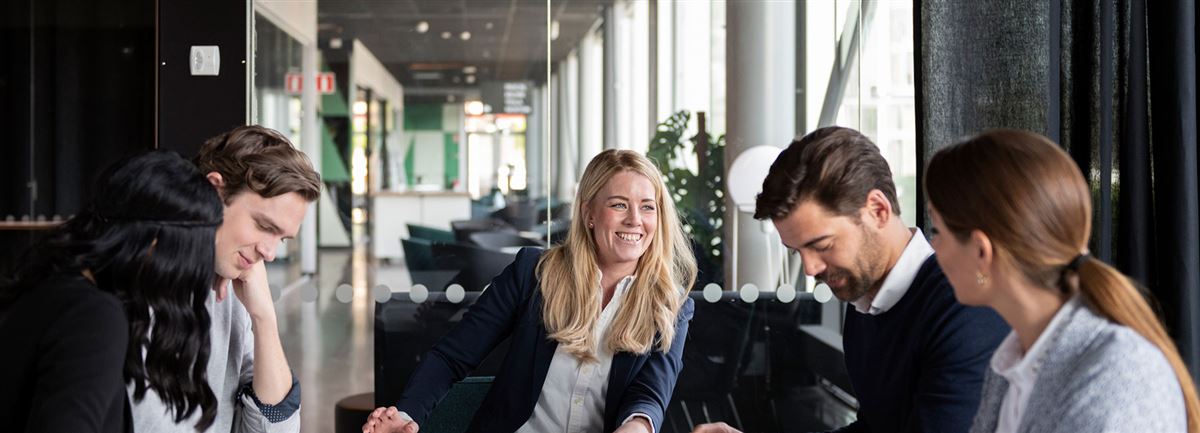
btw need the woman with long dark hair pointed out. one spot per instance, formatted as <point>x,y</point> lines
<point>1011,219</point>
<point>114,296</point>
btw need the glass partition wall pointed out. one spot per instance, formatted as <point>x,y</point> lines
<point>620,74</point>
<point>453,134</point>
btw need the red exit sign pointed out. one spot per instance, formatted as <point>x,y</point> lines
<point>294,83</point>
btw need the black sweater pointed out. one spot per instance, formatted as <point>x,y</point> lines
<point>64,346</point>
<point>919,366</point>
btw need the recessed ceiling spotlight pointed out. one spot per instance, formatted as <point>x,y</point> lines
<point>335,43</point>
<point>466,36</point>
<point>488,25</point>
<point>468,69</point>
<point>422,26</point>
<point>470,79</point>
<point>445,35</point>
<point>487,54</point>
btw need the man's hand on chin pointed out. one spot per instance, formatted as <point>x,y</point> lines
<point>254,291</point>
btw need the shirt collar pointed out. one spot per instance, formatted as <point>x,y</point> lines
<point>899,278</point>
<point>1009,362</point>
<point>622,286</point>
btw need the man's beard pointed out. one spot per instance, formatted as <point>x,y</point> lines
<point>857,282</point>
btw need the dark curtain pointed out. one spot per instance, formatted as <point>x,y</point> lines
<point>1113,81</point>
<point>982,65</point>
<point>978,65</point>
<point>1128,110</point>
<point>76,94</point>
<point>1175,274</point>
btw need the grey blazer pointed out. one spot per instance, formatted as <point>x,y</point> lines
<point>1097,376</point>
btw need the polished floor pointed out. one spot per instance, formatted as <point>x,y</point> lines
<point>328,342</point>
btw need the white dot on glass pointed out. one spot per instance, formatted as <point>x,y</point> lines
<point>822,293</point>
<point>749,293</point>
<point>382,293</point>
<point>344,293</point>
<point>419,293</point>
<point>455,293</point>
<point>786,293</point>
<point>712,293</point>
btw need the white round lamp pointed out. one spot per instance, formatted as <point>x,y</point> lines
<point>744,181</point>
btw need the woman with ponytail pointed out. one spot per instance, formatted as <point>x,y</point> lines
<point>114,298</point>
<point>1011,218</point>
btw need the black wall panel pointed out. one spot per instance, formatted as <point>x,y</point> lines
<point>194,108</point>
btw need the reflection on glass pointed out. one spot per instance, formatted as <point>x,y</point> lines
<point>880,100</point>
<point>444,138</point>
<point>868,68</point>
<point>277,79</point>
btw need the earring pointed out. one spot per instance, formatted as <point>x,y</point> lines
<point>981,279</point>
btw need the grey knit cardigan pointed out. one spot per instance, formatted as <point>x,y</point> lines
<point>1097,376</point>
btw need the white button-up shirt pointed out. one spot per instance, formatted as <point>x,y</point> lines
<point>895,285</point>
<point>1021,370</point>
<point>573,395</point>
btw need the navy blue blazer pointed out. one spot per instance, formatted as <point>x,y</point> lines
<point>512,307</point>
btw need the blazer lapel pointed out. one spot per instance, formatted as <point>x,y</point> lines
<point>543,354</point>
<point>619,377</point>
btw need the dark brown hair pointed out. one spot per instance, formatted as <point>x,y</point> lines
<point>260,160</point>
<point>835,166</point>
<point>1030,199</point>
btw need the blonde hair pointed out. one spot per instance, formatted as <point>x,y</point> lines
<point>569,273</point>
<point>1030,199</point>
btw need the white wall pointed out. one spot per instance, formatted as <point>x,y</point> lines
<point>296,17</point>
<point>367,71</point>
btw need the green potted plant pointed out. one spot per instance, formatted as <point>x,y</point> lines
<point>694,169</point>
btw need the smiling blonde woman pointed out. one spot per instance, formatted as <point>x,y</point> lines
<point>596,325</point>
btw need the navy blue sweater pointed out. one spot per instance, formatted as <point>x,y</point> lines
<point>919,366</point>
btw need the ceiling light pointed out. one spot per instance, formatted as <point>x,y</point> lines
<point>422,26</point>
<point>468,69</point>
<point>474,108</point>
<point>466,36</point>
<point>445,35</point>
<point>554,30</point>
<point>488,26</point>
<point>470,79</point>
<point>335,43</point>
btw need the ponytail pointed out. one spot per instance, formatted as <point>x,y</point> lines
<point>1114,296</point>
